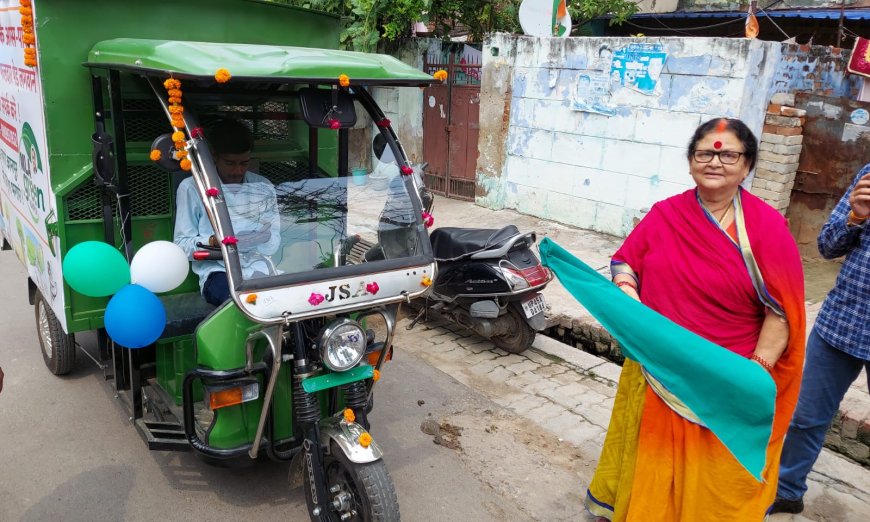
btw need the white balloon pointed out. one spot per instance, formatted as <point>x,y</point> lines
<point>159,266</point>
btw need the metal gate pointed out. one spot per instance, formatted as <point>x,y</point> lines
<point>836,145</point>
<point>451,114</point>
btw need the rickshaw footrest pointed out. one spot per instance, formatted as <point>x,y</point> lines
<point>162,436</point>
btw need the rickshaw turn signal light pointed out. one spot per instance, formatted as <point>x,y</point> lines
<point>373,356</point>
<point>221,398</point>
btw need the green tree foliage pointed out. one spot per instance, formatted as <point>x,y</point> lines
<point>365,22</point>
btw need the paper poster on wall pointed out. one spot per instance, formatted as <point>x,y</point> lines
<point>591,93</point>
<point>638,66</point>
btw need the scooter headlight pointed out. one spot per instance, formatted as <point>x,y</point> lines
<point>342,345</point>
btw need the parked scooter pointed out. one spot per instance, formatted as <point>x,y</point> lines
<point>489,281</point>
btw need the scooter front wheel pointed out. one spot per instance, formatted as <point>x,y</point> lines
<point>360,492</point>
<point>520,335</point>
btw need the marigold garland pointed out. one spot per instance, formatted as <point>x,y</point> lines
<point>177,136</point>
<point>222,75</point>
<point>176,118</point>
<point>28,38</point>
<point>440,75</point>
<point>344,80</point>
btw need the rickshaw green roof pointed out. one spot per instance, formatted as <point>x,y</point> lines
<point>247,62</point>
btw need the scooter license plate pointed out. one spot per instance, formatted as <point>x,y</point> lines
<point>534,306</point>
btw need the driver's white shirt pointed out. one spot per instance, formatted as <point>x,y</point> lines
<point>253,207</point>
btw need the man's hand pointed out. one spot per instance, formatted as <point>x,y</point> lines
<point>859,198</point>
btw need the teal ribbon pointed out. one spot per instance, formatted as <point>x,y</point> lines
<point>733,396</point>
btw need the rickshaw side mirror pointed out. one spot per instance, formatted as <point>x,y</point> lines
<point>165,145</point>
<point>321,106</point>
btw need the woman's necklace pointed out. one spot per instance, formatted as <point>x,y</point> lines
<point>725,215</point>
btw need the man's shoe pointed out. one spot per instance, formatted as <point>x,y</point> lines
<point>784,505</point>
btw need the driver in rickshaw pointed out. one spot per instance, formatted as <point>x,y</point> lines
<point>252,205</point>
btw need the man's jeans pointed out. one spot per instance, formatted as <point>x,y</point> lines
<point>216,289</point>
<point>828,373</point>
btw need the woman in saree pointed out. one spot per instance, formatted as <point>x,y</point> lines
<point>722,264</point>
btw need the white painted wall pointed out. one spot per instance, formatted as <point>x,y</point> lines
<point>604,172</point>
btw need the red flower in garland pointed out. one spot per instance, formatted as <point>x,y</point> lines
<point>406,170</point>
<point>315,299</point>
<point>372,288</point>
<point>384,123</point>
<point>428,219</point>
<point>196,132</point>
<point>230,240</point>
<point>334,124</point>
<point>212,192</point>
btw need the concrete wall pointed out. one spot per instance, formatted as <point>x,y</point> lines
<point>604,172</point>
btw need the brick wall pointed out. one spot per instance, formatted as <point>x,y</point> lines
<point>779,152</point>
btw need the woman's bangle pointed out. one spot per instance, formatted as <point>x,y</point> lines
<point>620,284</point>
<point>763,362</point>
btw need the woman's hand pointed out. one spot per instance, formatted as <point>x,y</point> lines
<point>628,285</point>
<point>859,198</point>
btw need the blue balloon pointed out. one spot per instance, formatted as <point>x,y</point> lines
<point>135,317</point>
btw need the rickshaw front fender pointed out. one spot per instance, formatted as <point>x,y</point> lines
<point>346,436</point>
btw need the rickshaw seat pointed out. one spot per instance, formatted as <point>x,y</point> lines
<point>184,312</point>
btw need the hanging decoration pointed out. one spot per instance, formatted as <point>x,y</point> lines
<point>344,80</point>
<point>428,219</point>
<point>28,38</point>
<point>222,75</point>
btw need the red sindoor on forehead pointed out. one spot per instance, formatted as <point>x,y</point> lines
<point>721,127</point>
<point>717,144</point>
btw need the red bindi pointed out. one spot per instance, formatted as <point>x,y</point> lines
<point>717,145</point>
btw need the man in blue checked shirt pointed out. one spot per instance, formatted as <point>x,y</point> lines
<point>838,346</point>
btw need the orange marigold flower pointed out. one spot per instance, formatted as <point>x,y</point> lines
<point>28,38</point>
<point>185,164</point>
<point>25,3</point>
<point>251,299</point>
<point>377,375</point>
<point>30,62</point>
<point>174,92</point>
<point>343,80</point>
<point>177,136</point>
<point>25,11</point>
<point>171,83</point>
<point>176,109</point>
<point>365,440</point>
<point>440,75</point>
<point>180,154</point>
<point>222,75</point>
<point>177,121</point>
<point>426,281</point>
<point>349,415</point>
<point>29,51</point>
<point>155,155</point>
<point>26,21</point>
<point>175,99</point>
<point>180,144</point>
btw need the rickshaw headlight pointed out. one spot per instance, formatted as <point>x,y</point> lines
<point>342,345</point>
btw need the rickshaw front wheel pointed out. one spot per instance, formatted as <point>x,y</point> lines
<point>58,347</point>
<point>364,492</point>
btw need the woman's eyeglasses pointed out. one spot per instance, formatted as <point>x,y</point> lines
<point>726,157</point>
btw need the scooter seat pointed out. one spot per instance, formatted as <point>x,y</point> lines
<point>450,243</point>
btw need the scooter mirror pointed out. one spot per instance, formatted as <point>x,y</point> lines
<point>164,144</point>
<point>382,152</point>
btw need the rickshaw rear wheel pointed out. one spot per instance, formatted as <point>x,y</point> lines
<point>58,348</point>
<point>367,489</point>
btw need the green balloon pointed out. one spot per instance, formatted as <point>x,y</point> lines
<point>95,269</point>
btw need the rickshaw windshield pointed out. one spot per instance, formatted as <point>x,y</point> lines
<point>318,222</point>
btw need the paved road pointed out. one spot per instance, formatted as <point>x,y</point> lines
<point>67,451</point>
